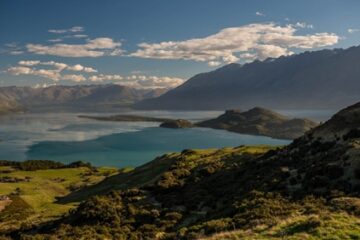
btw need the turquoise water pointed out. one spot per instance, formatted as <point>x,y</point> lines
<point>65,137</point>
<point>136,148</point>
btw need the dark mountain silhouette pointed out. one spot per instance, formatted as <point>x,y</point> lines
<point>319,79</point>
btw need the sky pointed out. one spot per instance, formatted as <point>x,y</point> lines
<point>160,43</point>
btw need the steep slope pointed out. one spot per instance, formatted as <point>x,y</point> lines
<point>320,79</point>
<point>307,190</point>
<point>260,121</point>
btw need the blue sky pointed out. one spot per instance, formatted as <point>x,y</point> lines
<point>92,42</point>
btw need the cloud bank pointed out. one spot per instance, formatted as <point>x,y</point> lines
<point>92,48</point>
<point>248,42</point>
<point>57,71</point>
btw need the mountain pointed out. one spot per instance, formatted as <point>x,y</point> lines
<point>260,121</point>
<point>309,189</point>
<point>320,79</point>
<point>9,105</point>
<point>76,97</point>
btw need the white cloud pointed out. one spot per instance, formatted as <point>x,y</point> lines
<point>140,81</point>
<point>302,25</point>
<point>20,70</point>
<point>74,29</point>
<point>28,67</point>
<point>156,82</point>
<point>92,48</point>
<point>55,40</point>
<point>353,30</point>
<point>44,85</point>
<point>59,66</point>
<point>104,77</point>
<point>259,14</point>
<point>29,63</point>
<point>74,77</point>
<point>80,68</point>
<point>60,71</point>
<point>259,41</point>
<point>214,63</point>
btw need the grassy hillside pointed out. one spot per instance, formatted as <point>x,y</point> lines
<point>151,172</point>
<point>33,193</point>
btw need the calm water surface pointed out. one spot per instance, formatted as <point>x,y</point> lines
<point>65,137</point>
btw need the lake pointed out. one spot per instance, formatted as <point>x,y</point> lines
<point>64,137</point>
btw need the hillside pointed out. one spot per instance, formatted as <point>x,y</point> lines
<point>88,97</point>
<point>9,106</point>
<point>306,190</point>
<point>260,121</point>
<point>29,189</point>
<point>319,79</point>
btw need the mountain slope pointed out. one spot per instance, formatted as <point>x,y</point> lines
<point>76,97</point>
<point>309,189</point>
<point>320,79</point>
<point>9,105</point>
<point>260,121</point>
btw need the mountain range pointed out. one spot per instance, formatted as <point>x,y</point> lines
<point>93,97</point>
<point>319,79</point>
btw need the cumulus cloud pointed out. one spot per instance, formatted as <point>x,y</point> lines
<point>105,77</point>
<point>21,70</point>
<point>29,67</point>
<point>29,63</point>
<point>74,77</point>
<point>353,30</point>
<point>61,71</point>
<point>92,48</point>
<point>59,66</point>
<point>140,81</point>
<point>253,41</point>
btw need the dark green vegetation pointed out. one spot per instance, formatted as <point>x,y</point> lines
<point>260,121</point>
<point>326,79</point>
<point>67,98</point>
<point>307,190</point>
<point>33,165</point>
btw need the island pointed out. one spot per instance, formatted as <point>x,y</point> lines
<point>256,121</point>
<point>127,118</point>
<point>260,121</point>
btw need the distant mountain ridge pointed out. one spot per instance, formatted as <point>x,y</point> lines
<point>319,79</point>
<point>79,96</point>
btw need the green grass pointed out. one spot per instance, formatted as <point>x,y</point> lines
<point>40,193</point>
<point>330,226</point>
